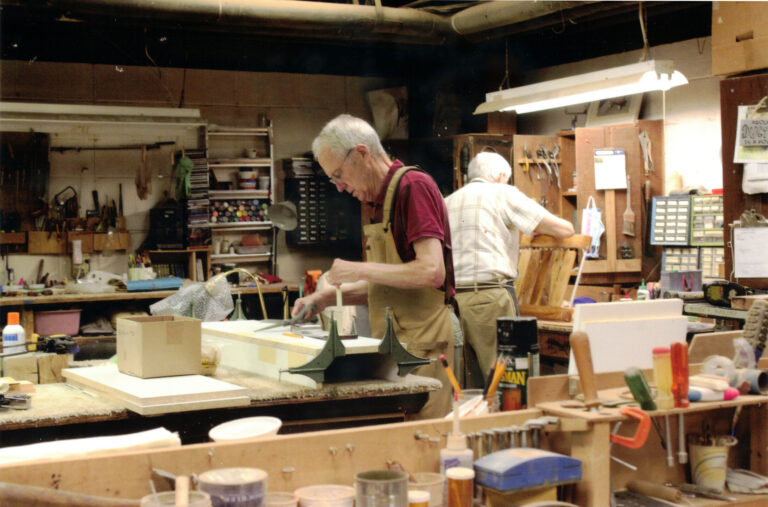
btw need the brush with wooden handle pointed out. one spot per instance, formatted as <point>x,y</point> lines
<point>582,353</point>
<point>629,215</point>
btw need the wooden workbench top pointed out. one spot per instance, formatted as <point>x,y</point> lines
<point>60,404</point>
<point>122,296</point>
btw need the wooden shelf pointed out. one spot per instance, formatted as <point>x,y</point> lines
<point>241,226</point>
<point>239,162</point>
<point>217,195</point>
<point>239,131</point>
<point>222,258</point>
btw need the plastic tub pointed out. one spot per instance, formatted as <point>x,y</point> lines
<point>196,499</point>
<point>246,428</point>
<point>281,499</point>
<point>234,487</point>
<point>57,322</point>
<point>326,495</point>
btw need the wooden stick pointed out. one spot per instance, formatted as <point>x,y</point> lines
<point>182,490</point>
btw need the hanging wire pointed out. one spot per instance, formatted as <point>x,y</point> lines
<point>505,81</point>
<point>641,16</point>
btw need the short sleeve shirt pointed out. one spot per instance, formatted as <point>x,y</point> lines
<point>419,212</point>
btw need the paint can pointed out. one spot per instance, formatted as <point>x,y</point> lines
<point>234,487</point>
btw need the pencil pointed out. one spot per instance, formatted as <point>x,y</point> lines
<point>501,366</point>
<point>451,377</point>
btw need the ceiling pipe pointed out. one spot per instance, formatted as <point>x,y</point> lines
<point>308,18</point>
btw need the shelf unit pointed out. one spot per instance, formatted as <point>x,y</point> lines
<point>184,261</point>
<point>231,149</point>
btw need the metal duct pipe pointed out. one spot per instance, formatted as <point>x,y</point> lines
<point>490,15</point>
<point>363,20</point>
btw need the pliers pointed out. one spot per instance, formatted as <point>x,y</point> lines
<point>527,163</point>
<point>553,156</point>
<point>544,156</point>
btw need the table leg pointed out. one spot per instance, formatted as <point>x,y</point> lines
<point>593,449</point>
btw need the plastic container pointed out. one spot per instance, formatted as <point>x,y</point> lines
<point>264,182</point>
<point>246,428</point>
<point>381,488</point>
<point>234,487</point>
<point>196,499</point>
<point>326,495</point>
<point>418,498</point>
<point>57,322</point>
<point>430,482</point>
<point>14,336</point>
<point>281,499</point>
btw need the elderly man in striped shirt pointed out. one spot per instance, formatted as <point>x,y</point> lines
<point>486,217</point>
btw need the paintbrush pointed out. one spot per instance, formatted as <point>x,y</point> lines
<point>629,215</point>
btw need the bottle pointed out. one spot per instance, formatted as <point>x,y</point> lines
<point>642,292</point>
<point>456,453</point>
<point>460,486</point>
<point>662,373</point>
<point>14,337</point>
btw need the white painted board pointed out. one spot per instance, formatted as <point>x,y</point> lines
<point>159,395</point>
<point>624,334</point>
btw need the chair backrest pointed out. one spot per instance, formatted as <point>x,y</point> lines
<point>545,266</point>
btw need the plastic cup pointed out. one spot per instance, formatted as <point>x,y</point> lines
<point>431,482</point>
<point>234,487</point>
<point>326,495</point>
<point>381,488</point>
<point>196,499</point>
<point>708,465</point>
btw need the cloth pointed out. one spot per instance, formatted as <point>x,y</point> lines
<point>478,312</point>
<point>420,317</point>
<point>419,212</point>
<point>486,220</point>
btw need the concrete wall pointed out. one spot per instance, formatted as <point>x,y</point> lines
<point>692,113</point>
<point>297,105</point>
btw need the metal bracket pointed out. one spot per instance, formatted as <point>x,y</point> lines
<point>390,345</point>
<point>315,369</point>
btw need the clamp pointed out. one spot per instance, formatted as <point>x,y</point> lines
<point>641,435</point>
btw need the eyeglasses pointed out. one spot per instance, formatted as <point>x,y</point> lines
<point>336,175</point>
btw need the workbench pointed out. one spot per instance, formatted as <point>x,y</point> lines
<point>64,411</point>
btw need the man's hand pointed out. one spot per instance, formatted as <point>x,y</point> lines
<point>314,304</point>
<point>343,272</point>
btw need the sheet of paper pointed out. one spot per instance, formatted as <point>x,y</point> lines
<point>749,259</point>
<point>743,154</point>
<point>610,169</point>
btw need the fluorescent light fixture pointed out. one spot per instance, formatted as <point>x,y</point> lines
<point>630,79</point>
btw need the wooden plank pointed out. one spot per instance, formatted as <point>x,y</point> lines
<point>547,312</point>
<point>159,395</point>
<point>610,229</point>
<point>21,367</point>
<point>577,241</point>
<point>292,461</point>
<point>704,345</point>
<point>593,449</point>
<point>41,242</point>
<point>49,367</point>
<point>745,302</point>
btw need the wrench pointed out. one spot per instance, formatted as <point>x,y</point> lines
<point>553,156</point>
<point>544,156</point>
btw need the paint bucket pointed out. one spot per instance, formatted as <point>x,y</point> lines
<point>281,499</point>
<point>234,487</point>
<point>430,482</point>
<point>326,495</point>
<point>708,465</point>
<point>381,488</point>
<point>196,499</point>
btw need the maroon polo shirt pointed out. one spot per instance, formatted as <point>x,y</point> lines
<point>419,212</point>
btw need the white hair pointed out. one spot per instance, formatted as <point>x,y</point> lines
<point>343,133</point>
<point>489,166</point>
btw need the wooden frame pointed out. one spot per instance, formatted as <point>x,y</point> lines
<point>614,110</point>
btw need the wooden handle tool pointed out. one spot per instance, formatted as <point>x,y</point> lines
<point>582,353</point>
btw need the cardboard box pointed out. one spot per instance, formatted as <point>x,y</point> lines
<point>150,347</point>
<point>739,37</point>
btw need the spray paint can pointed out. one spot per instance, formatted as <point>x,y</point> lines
<point>518,343</point>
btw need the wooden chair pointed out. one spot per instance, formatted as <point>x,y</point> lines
<point>545,266</point>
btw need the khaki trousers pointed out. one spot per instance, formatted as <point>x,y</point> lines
<point>478,313</point>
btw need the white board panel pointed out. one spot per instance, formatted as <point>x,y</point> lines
<point>159,395</point>
<point>655,308</point>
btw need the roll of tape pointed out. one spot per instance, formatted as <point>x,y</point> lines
<point>721,366</point>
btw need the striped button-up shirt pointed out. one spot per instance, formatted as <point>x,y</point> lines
<point>486,220</point>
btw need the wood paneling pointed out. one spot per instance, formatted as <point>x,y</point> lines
<point>733,93</point>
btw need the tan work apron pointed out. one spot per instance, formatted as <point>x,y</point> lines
<point>420,316</point>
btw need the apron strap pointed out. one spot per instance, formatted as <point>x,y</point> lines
<point>389,198</point>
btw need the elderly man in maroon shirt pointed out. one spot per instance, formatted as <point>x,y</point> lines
<point>408,265</point>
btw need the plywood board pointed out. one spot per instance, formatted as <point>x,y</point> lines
<point>624,334</point>
<point>159,395</point>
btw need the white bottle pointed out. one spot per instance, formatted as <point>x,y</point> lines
<point>456,453</point>
<point>14,337</point>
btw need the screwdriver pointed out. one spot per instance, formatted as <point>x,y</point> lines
<point>679,355</point>
<point>662,373</point>
<point>641,392</point>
